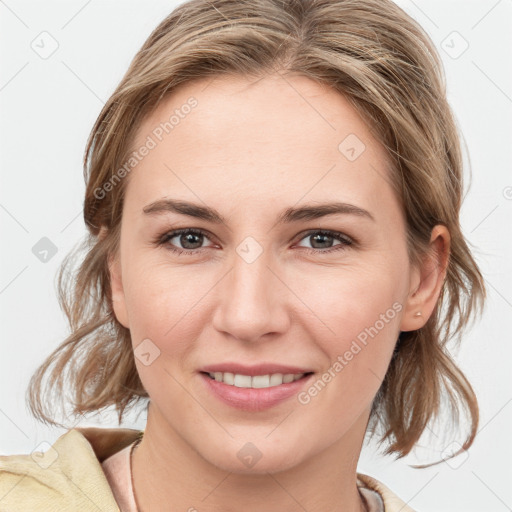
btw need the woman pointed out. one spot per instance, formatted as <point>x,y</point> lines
<point>275,263</point>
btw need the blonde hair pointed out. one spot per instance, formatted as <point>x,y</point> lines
<point>383,62</point>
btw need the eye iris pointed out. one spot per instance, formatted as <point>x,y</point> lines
<point>188,238</point>
<point>322,238</point>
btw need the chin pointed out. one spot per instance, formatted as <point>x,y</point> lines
<point>248,458</point>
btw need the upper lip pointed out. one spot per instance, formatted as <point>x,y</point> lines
<point>252,370</point>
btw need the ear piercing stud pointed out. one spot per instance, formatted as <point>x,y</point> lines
<point>418,313</point>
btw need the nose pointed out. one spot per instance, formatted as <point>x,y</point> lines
<point>252,301</point>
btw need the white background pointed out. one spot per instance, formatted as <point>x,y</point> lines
<point>48,107</point>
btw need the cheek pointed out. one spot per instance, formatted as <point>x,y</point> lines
<point>364,320</point>
<point>163,304</point>
<point>359,313</point>
<point>163,324</point>
<point>348,300</point>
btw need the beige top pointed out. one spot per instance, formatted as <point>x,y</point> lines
<point>74,473</point>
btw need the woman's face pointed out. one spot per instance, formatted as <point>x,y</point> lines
<point>253,166</point>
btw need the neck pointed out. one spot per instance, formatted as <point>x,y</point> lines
<point>167,470</point>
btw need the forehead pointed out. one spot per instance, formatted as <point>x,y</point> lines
<point>276,138</point>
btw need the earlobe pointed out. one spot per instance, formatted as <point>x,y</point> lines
<point>427,281</point>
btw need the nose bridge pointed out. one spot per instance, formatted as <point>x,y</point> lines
<point>248,307</point>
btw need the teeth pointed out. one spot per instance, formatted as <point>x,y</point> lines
<point>258,381</point>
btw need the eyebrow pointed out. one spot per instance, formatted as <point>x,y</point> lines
<point>289,215</point>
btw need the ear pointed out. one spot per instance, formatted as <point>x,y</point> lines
<point>116,284</point>
<point>427,280</point>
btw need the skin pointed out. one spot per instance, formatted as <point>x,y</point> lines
<point>250,149</point>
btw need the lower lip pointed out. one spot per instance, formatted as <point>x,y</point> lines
<point>254,399</point>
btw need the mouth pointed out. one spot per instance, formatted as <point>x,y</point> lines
<point>253,393</point>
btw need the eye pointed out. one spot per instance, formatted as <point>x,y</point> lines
<point>190,239</point>
<point>324,241</point>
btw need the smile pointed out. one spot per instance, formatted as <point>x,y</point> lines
<point>254,393</point>
<point>256,381</point>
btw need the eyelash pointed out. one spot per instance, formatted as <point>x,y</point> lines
<point>163,238</point>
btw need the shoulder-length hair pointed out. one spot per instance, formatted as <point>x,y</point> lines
<point>383,62</point>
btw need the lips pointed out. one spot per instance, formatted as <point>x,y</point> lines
<point>252,399</point>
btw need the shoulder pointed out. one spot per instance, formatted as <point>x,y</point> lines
<point>67,476</point>
<point>392,503</point>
